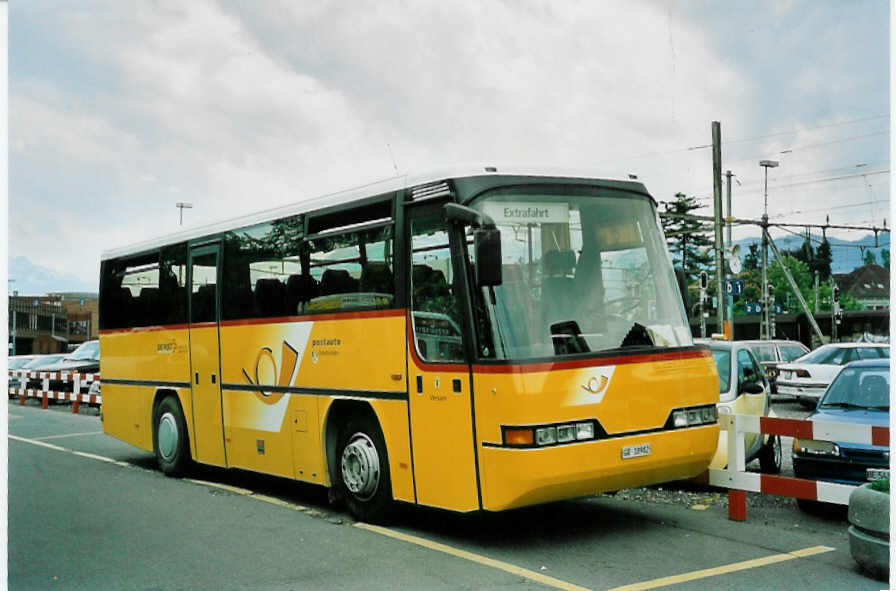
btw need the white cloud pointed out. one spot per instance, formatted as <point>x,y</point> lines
<point>240,109</point>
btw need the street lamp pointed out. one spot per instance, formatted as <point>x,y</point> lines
<point>181,205</point>
<point>766,164</point>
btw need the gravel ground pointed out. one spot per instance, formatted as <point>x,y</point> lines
<point>701,497</point>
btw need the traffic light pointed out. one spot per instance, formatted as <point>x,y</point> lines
<point>836,294</point>
<point>704,280</point>
<point>838,316</point>
<point>771,290</point>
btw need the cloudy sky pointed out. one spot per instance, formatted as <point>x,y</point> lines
<point>118,110</point>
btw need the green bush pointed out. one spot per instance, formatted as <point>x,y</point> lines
<point>881,485</point>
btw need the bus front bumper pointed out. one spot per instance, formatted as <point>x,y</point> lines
<point>513,477</point>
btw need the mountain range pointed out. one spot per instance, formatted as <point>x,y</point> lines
<point>27,278</point>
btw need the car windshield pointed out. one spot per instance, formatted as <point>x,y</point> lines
<point>89,351</point>
<point>859,387</point>
<point>722,358</point>
<point>584,269</point>
<point>42,361</point>
<point>763,352</point>
<point>791,352</point>
<point>824,355</point>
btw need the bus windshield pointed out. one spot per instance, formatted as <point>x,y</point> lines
<point>585,269</point>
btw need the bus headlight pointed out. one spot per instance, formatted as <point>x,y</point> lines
<point>816,447</point>
<point>693,417</point>
<point>545,435</point>
<point>548,435</point>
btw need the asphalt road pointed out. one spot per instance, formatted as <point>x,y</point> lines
<point>89,512</point>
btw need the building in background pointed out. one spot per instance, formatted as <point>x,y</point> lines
<point>52,323</point>
<point>869,285</point>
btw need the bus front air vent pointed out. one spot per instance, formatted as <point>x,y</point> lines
<point>430,191</point>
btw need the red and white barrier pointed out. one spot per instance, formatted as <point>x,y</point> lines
<point>735,477</point>
<point>76,397</point>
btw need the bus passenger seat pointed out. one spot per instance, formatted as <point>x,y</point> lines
<point>270,297</point>
<point>204,303</point>
<point>335,281</point>
<point>149,305</point>
<point>377,278</point>
<point>300,289</point>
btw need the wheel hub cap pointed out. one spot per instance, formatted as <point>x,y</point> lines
<point>167,436</point>
<point>360,466</point>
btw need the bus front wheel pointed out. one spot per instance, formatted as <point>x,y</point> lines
<point>363,470</point>
<point>169,437</point>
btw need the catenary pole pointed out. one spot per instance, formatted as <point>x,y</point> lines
<point>717,208</point>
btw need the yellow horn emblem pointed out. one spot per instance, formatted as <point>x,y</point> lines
<point>596,386</point>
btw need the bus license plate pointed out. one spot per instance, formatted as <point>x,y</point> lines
<point>635,451</point>
<point>877,473</point>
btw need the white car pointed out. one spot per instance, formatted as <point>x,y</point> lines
<point>807,377</point>
<point>744,390</point>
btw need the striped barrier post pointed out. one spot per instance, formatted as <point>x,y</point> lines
<point>76,397</point>
<point>735,477</point>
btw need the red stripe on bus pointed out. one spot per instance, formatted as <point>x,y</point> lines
<point>789,427</point>
<point>107,331</point>
<point>784,486</point>
<point>275,320</point>
<point>880,435</point>
<point>538,366</point>
<point>387,313</point>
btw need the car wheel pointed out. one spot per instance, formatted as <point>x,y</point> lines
<point>169,437</point>
<point>363,470</point>
<point>770,457</point>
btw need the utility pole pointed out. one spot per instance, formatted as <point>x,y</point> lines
<point>717,208</point>
<point>766,164</point>
<point>11,298</point>
<point>729,308</point>
<point>704,283</point>
<point>181,205</point>
<point>835,310</point>
<point>816,292</point>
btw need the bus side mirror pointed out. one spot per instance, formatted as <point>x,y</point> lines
<point>487,244</point>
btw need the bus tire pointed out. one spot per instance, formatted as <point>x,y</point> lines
<point>362,470</point>
<point>770,456</point>
<point>169,437</point>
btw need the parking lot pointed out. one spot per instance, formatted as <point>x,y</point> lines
<point>89,512</point>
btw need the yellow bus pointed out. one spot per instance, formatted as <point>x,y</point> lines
<point>476,339</point>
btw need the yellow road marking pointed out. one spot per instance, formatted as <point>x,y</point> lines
<point>505,566</point>
<point>68,435</point>
<point>721,570</point>
<point>233,489</point>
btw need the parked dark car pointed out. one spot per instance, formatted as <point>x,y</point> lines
<point>860,394</point>
<point>38,363</point>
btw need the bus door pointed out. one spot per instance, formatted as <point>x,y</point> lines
<point>205,354</point>
<point>438,375</point>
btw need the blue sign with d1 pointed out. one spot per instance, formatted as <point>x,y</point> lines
<point>734,287</point>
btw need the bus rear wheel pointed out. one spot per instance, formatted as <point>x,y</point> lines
<point>169,437</point>
<point>363,470</point>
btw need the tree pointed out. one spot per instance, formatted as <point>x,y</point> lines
<point>751,259</point>
<point>885,257</point>
<point>822,261</point>
<point>686,237</point>
<point>869,258</point>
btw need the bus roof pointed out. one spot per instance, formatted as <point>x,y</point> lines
<point>395,183</point>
